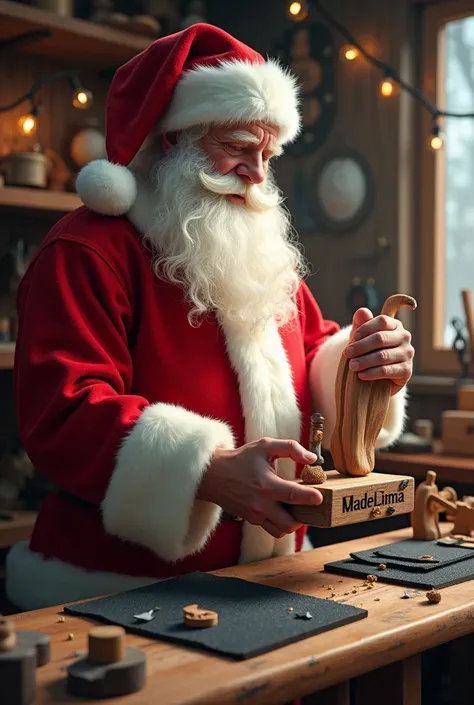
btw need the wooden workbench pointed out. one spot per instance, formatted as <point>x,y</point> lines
<point>391,639</point>
<point>449,468</point>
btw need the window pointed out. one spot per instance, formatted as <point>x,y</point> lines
<point>447,193</point>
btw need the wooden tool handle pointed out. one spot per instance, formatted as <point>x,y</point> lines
<point>361,409</point>
<point>469,314</point>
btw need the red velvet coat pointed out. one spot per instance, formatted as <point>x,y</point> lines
<point>121,404</point>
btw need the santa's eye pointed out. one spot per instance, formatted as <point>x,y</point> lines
<point>235,147</point>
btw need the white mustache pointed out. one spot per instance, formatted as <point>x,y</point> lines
<point>231,184</point>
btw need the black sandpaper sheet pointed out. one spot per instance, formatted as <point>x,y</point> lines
<point>444,576</point>
<point>414,549</point>
<point>407,555</point>
<point>253,618</point>
<point>373,560</point>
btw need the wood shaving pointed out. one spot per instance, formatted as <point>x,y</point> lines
<point>434,596</point>
<point>290,609</point>
<point>70,636</point>
<point>426,557</point>
<point>376,599</point>
<point>371,578</point>
<point>61,619</point>
<point>146,616</point>
<point>382,566</point>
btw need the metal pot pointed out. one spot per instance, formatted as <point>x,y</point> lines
<point>26,169</point>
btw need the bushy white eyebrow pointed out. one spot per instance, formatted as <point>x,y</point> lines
<point>244,136</point>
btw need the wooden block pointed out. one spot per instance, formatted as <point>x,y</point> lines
<point>466,398</point>
<point>350,500</point>
<point>457,432</point>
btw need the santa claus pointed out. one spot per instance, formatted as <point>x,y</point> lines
<point>169,353</point>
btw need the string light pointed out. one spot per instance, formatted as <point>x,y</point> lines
<point>391,79</point>
<point>28,124</point>
<point>81,97</point>
<point>350,53</point>
<point>298,11</point>
<point>387,88</point>
<point>436,140</point>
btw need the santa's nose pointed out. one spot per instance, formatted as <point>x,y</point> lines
<point>253,172</point>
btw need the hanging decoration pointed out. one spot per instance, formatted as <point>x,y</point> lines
<point>307,49</point>
<point>391,82</point>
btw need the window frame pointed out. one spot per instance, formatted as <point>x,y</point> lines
<point>433,357</point>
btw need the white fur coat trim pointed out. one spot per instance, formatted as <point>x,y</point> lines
<point>34,582</point>
<point>236,91</point>
<point>150,499</point>
<point>270,409</point>
<point>323,372</point>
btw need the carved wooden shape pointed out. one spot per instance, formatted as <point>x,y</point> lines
<point>361,409</point>
<point>194,616</point>
<point>429,502</point>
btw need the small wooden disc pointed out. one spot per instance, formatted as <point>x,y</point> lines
<point>194,616</point>
<point>106,644</point>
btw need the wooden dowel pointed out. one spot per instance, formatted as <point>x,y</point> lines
<point>469,314</point>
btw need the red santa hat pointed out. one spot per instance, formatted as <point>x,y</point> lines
<point>200,76</point>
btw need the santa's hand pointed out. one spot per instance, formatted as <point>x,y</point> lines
<point>380,348</point>
<point>244,483</point>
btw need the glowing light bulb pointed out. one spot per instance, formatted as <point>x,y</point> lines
<point>386,87</point>
<point>298,11</point>
<point>28,124</point>
<point>350,53</point>
<point>436,142</point>
<point>82,99</point>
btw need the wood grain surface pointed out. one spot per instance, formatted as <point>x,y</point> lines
<point>395,629</point>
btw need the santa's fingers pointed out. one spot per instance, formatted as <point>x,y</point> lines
<point>282,519</point>
<point>275,530</point>
<point>274,448</point>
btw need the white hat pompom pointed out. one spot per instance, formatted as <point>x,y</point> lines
<point>106,188</point>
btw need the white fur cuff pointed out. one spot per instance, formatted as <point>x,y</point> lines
<point>151,498</point>
<point>322,376</point>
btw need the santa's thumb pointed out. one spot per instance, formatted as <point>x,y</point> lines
<point>361,316</point>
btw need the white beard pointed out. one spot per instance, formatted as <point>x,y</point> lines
<point>237,260</point>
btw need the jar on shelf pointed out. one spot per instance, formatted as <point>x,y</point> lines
<point>4,329</point>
